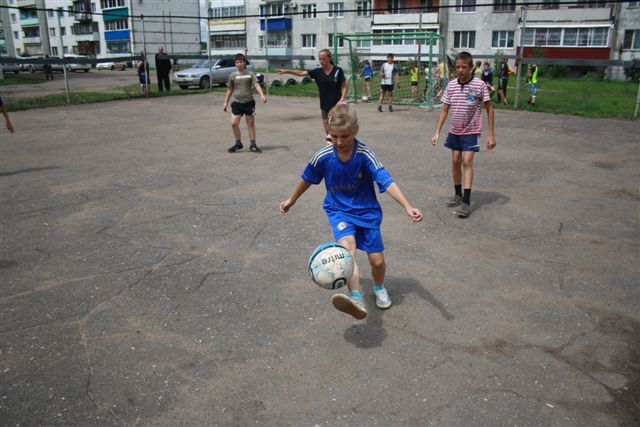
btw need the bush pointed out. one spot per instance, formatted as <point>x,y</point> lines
<point>632,72</point>
<point>555,71</point>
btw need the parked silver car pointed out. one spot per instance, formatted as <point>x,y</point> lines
<point>198,75</point>
<point>12,67</point>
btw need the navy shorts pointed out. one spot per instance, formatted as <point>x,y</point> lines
<point>463,142</point>
<point>386,88</point>
<point>367,239</point>
<point>240,109</point>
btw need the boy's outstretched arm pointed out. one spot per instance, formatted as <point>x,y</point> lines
<point>397,195</point>
<point>441,119</point>
<point>297,192</point>
<point>491,140</point>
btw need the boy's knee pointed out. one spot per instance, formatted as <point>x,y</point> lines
<point>376,262</point>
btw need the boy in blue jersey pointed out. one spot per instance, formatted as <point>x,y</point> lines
<point>349,169</point>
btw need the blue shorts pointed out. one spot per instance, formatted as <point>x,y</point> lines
<point>533,89</point>
<point>463,142</point>
<point>367,239</point>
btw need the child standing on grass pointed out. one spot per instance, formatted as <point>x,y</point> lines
<point>239,85</point>
<point>367,74</point>
<point>349,169</point>
<point>465,97</point>
<point>414,81</point>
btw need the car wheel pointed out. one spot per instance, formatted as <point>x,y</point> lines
<point>204,82</point>
<point>112,67</point>
<point>86,71</point>
<point>184,87</point>
<point>16,72</point>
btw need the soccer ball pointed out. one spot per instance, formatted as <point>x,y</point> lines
<point>330,266</point>
<point>365,98</point>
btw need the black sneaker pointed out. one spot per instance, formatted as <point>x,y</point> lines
<point>235,147</point>
<point>380,108</point>
<point>390,109</point>
<point>464,210</point>
<point>255,149</point>
<point>454,201</point>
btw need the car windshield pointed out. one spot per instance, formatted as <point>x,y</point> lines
<point>203,63</point>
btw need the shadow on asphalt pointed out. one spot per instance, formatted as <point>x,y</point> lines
<point>372,333</point>
<point>482,198</point>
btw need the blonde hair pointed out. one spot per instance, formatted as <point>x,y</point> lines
<point>343,117</point>
<point>328,53</point>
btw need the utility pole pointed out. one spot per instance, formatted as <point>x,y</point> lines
<point>144,58</point>
<point>210,15</point>
<point>64,65</point>
<point>519,73</point>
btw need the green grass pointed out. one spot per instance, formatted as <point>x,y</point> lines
<point>16,79</point>
<point>59,99</point>
<point>579,97</point>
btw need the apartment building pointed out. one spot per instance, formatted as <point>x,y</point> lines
<point>279,30</point>
<point>101,28</point>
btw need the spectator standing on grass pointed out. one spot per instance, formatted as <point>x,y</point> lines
<point>532,79</point>
<point>503,80</point>
<point>143,74</point>
<point>7,120</point>
<point>487,78</point>
<point>331,82</point>
<point>239,85</point>
<point>477,70</point>
<point>48,69</point>
<point>163,69</point>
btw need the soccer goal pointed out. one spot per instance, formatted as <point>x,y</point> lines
<point>428,56</point>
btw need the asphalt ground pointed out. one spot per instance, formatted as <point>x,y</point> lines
<point>147,277</point>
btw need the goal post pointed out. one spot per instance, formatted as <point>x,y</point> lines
<point>429,58</point>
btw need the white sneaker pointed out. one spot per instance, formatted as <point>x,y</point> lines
<point>349,305</point>
<point>382,299</point>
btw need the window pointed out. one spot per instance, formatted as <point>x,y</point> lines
<point>18,51</point>
<point>592,3</point>
<point>16,35</point>
<point>50,12</point>
<point>70,10</point>
<point>271,9</point>
<point>228,12</point>
<point>465,6</point>
<point>363,8</point>
<point>54,50</point>
<point>93,7</point>
<point>583,37</point>
<point>117,24</point>
<point>308,11</point>
<point>504,6</point>
<point>308,40</point>
<point>548,4</point>
<point>464,39</point>
<point>118,46</point>
<point>52,32</point>
<point>395,6</point>
<point>631,40</point>
<point>330,41</point>
<point>634,4</point>
<point>336,10</point>
<point>61,11</point>
<point>108,4</point>
<point>363,43</point>
<point>13,18</point>
<point>222,41</point>
<point>502,39</point>
<point>277,39</point>
<point>63,31</point>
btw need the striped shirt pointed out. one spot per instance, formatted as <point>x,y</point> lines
<point>465,101</point>
<point>350,191</point>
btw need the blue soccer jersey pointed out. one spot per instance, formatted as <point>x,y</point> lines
<point>350,192</point>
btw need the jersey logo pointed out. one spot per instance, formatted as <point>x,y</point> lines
<point>341,226</point>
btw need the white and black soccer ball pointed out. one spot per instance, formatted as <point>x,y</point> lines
<point>365,99</point>
<point>331,266</point>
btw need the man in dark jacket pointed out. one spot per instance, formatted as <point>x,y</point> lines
<point>163,69</point>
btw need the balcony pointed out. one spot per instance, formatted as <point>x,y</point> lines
<point>403,18</point>
<point>276,24</point>
<point>26,3</point>
<point>569,15</point>
<point>32,40</point>
<point>29,22</point>
<point>278,51</point>
<point>229,25</point>
<point>90,37</point>
<point>83,16</point>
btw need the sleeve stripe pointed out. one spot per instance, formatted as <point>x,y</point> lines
<point>320,154</point>
<point>371,155</point>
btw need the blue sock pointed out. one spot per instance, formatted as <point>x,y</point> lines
<point>356,294</point>
<point>377,288</point>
